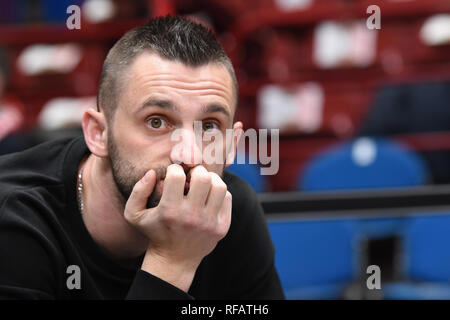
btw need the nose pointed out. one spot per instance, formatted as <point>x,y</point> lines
<point>187,150</point>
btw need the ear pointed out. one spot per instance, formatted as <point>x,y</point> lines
<point>231,150</point>
<point>95,132</point>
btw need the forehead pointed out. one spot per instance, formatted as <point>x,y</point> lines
<point>152,74</point>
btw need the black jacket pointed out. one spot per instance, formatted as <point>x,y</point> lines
<point>42,234</point>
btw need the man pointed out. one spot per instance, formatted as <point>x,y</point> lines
<point>127,212</point>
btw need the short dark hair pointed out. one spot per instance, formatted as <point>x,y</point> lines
<point>173,38</point>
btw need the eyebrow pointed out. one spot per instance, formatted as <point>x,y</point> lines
<point>167,104</point>
<point>163,104</point>
<point>212,108</point>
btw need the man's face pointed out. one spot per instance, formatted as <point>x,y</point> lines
<point>158,97</point>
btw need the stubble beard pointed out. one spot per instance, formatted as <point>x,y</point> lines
<point>126,175</point>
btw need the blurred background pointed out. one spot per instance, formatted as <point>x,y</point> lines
<point>363,114</point>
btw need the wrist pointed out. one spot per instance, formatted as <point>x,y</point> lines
<point>178,273</point>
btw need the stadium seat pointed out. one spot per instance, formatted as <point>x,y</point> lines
<point>365,163</point>
<point>426,262</point>
<point>250,173</point>
<point>361,164</point>
<point>315,259</point>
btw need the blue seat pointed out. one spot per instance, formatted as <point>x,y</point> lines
<point>365,163</point>
<point>315,259</point>
<point>250,173</point>
<point>426,260</point>
<point>417,291</point>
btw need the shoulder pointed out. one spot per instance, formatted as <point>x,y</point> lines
<point>28,213</point>
<point>37,167</point>
<point>34,156</point>
<point>32,192</point>
<point>27,248</point>
<point>247,212</point>
<point>241,191</point>
<point>244,197</point>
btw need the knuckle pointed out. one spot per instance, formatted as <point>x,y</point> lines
<point>174,166</point>
<point>203,178</point>
<point>176,175</point>
<point>220,187</point>
<point>174,169</point>
<point>214,175</point>
<point>217,180</point>
<point>191,220</point>
<point>199,171</point>
<point>207,228</point>
<point>190,223</point>
<point>222,230</point>
<point>169,218</point>
<point>220,233</point>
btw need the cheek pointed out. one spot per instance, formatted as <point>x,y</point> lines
<point>215,154</point>
<point>215,144</point>
<point>134,152</point>
<point>145,149</point>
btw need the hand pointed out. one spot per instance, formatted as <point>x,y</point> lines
<point>181,230</point>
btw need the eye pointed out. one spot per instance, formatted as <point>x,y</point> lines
<point>209,126</point>
<point>156,123</point>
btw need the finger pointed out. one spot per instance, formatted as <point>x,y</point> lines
<point>200,184</point>
<point>173,190</point>
<point>216,194</point>
<point>138,198</point>
<point>224,217</point>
